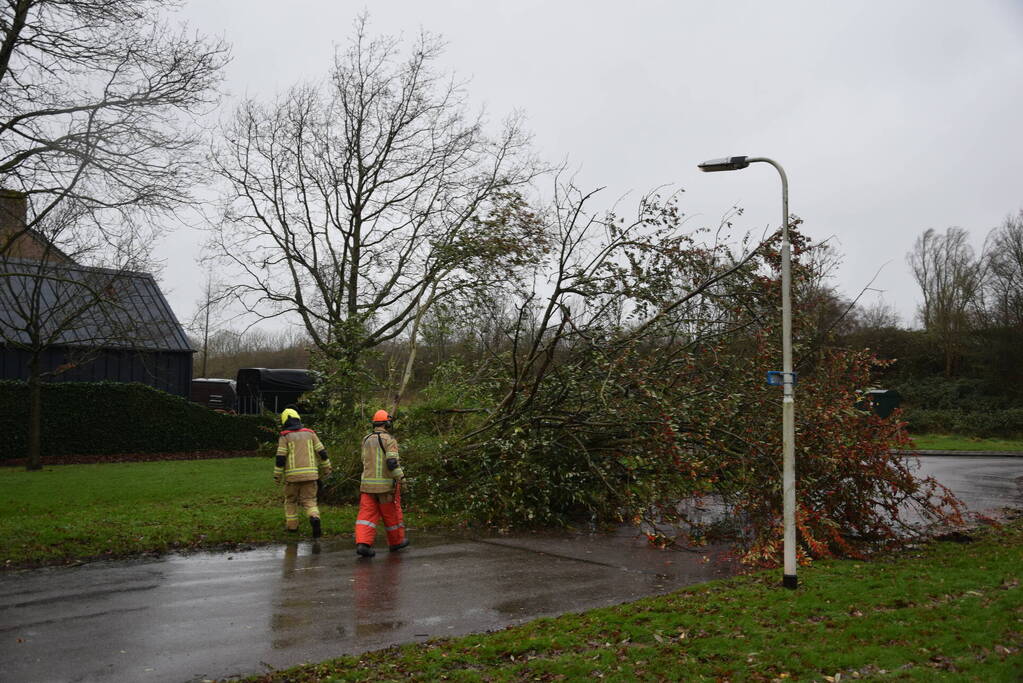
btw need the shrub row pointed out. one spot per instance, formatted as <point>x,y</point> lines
<point>99,418</point>
<point>964,395</point>
<point>991,423</point>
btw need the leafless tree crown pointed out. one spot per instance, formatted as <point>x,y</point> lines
<point>97,99</point>
<point>357,201</point>
<point>1004,290</point>
<point>951,279</point>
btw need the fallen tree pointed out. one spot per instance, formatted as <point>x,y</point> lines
<point>630,377</point>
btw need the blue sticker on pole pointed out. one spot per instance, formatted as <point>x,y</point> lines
<point>776,378</point>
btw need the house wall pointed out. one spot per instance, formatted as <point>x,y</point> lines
<point>165,370</point>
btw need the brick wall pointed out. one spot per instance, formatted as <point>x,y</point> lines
<point>28,244</point>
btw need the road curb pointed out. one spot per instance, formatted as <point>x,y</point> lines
<point>994,454</point>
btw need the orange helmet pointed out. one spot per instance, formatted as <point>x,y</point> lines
<point>381,416</point>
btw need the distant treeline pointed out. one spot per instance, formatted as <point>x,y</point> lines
<point>228,351</point>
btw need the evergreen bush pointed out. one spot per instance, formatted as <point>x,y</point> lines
<point>990,423</point>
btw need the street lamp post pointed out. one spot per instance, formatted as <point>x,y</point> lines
<point>789,579</point>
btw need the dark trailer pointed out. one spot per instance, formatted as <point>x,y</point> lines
<point>271,388</point>
<point>98,325</point>
<point>215,393</point>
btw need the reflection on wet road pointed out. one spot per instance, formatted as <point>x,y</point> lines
<point>215,615</point>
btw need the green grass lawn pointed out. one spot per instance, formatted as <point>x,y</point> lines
<point>70,512</point>
<point>948,442</point>
<point>948,611</point>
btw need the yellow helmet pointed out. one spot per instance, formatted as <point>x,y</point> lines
<point>289,412</point>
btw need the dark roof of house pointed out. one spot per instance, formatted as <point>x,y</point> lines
<point>74,305</point>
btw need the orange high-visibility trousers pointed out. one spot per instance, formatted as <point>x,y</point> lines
<point>373,507</point>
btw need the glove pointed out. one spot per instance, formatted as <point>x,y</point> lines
<point>327,471</point>
<point>277,479</point>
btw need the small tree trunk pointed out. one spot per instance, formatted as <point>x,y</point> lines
<point>413,346</point>
<point>950,354</point>
<point>35,412</point>
<point>408,370</point>
<point>206,336</point>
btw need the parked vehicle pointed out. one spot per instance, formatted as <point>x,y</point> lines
<point>881,401</point>
<point>215,393</point>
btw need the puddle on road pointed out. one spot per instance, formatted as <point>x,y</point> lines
<point>377,627</point>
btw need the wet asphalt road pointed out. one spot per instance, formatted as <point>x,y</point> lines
<point>213,615</point>
<point>210,615</point>
<point>982,483</point>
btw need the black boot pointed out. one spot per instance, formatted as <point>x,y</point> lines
<point>364,550</point>
<point>396,548</point>
<point>315,522</point>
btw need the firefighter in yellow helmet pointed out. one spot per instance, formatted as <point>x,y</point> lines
<point>380,489</point>
<point>301,462</point>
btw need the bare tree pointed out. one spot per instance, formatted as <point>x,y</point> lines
<point>97,99</point>
<point>878,315</point>
<point>357,204</point>
<point>98,140</point>
<point>1004,286</point>
<point>204,319</point>
<point>951,279</point>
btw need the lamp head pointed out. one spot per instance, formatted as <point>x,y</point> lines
<point>725,164</point>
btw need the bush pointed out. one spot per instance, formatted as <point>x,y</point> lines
<point>991,423</point>
<point>967,395</point>
<point>99,418</point>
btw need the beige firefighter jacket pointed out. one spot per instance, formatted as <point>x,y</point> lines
<point>301,456</point>
<point>377,449</point>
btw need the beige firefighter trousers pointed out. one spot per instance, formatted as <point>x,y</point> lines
<point>299,493</point>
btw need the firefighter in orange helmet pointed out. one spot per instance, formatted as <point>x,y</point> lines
<point>301,461</point>
<point>380,489</point>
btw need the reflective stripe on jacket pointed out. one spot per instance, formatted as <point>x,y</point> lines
<point>376,449</point>
<point>299,448</point>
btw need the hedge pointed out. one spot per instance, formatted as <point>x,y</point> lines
<point>963,395</point>
<point>990,423</point>
<point>102,418</point>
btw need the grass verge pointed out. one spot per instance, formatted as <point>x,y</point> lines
<point>951,442</point>
<point>68,513</point>
<point>948,611</point>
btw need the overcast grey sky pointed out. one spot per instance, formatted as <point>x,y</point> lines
<point>889,117</point>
